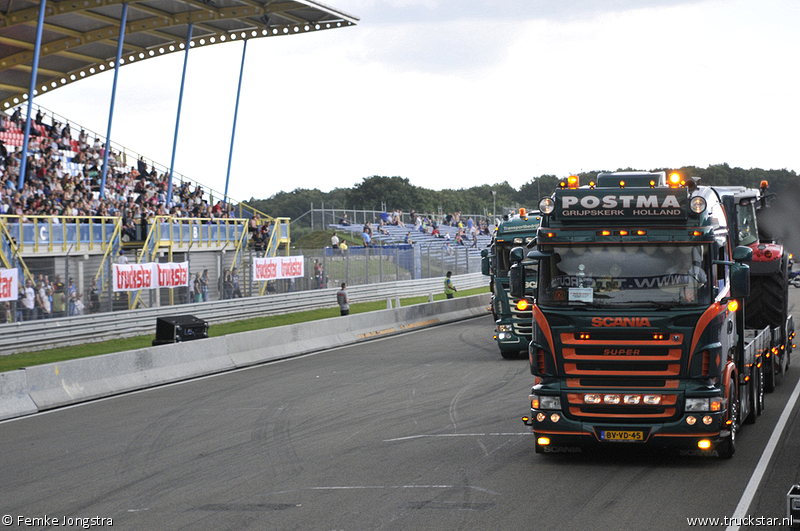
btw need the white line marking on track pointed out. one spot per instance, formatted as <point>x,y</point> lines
<point>456,435</point>
<point>761,467</point>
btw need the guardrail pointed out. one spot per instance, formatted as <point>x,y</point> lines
<point>31,336</point>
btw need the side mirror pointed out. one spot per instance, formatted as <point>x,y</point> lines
<point>516,280</point>
<point>740,279</point>
<point>485,262</point>
<point>742,254</point>
<point>516,275</point>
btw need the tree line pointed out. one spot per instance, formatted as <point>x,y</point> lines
<point>398,193</point>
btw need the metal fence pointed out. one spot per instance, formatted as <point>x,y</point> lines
<point>31,336</point>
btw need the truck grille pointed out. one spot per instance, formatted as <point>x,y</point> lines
<point>631,364</point>
<point>522,320</point>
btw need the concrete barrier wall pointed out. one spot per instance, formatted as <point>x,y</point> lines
<point>52,385</point>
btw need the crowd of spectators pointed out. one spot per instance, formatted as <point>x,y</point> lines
<point>45,298</point>
<point>64,173</point>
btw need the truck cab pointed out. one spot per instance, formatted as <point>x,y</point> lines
<point>512,315</point>
<point>637,334</point>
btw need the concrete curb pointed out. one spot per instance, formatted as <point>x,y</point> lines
<point>52,385</point>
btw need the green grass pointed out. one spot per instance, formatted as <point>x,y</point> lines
<point>28,359</point>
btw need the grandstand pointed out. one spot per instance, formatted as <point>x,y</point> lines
<point>63,227</point>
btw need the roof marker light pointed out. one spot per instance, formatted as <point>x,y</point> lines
<point>674,180</point>
<point>573,182</point>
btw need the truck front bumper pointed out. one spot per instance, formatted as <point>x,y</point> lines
<point>554,433</point>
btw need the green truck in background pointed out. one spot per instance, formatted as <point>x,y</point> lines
<point>512,316</point>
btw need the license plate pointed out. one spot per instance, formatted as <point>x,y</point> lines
<point>621,435</point>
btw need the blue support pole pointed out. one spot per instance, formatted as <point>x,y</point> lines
<point>235,116</point>
<point>34,69</point>
<point>121,39</point>
<point>178,119</point>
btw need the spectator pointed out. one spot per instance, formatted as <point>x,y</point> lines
<point>235,284</point>
<point>343,299</point>
<point>227,284</point>
<point>204,285</point>
<point>197,290</point>
<point>59,298</point>
<point>317,275</point>
<point>72,298</point>
<point>343,220</point>
<point>449,288</point>
<point>335,241</point>
<point>29,301</point>
<point>79,307</point>
<point>408,239</point>
<point>94,298</point>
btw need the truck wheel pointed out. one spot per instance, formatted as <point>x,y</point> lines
<point>512,354</point>
<point>769,373</point>
<point>760,390</point>
<point>756,390</point>
<point>728,446</point>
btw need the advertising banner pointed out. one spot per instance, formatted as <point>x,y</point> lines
<point>277,268</point>
<point>9,284</point>
<point>133,277</point>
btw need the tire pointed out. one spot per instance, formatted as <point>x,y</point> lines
<point>514,355</point>
<point>760,398</point>
<point>727,448</point>
<point>756,390</point>
<point>768,303</point>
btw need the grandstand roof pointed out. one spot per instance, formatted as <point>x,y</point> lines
<point>79,38</point>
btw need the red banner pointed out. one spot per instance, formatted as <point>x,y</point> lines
<point>9,284</point>
<point>133,277</point>
<point>277,268</point>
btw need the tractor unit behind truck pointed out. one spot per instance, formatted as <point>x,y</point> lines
<point>638,330</point>
<point>768,302</point>
<point>512,315</point>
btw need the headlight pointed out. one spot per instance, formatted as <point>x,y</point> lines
<point>504,328</point>
<point>704,404</point>
<point>696,404</point>
<point>545,402</point>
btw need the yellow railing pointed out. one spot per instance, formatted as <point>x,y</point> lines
<point>14,251</point>
<point>168,231</point>
<point>280,235</point>
<point>59,233</point>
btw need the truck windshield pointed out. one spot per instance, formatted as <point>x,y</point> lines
<point>625,275</point>
<point>746,221</point>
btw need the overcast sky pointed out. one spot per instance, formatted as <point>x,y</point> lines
<point>459,93</point>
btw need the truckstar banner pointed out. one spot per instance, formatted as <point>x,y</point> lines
<point>277,268</point>
<point>9,285</point>
<point>133,277</point>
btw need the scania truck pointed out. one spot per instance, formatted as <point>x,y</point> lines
<point>638,332</point>
<point>512,316</point>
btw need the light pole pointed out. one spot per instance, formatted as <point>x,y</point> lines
<point>494,203</point>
